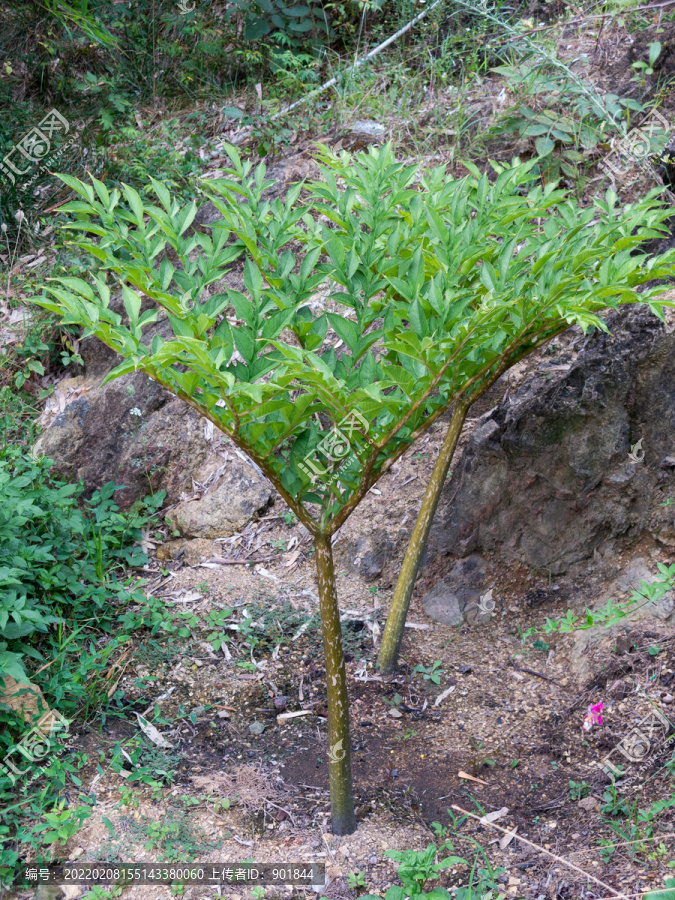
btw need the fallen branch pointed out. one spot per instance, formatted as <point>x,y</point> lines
<point>220,561</point>
<point>538,674</point>
<point>237,139</point>
<point>557,858</point>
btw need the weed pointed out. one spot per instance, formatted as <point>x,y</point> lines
<point>642,68</point>
<point>614,804</point>
<point>174,837</point>
<point>479,756</point>
<point>356,881</point>
<point>612,612</point>
<point>433,674</point>
<point>579,789</point>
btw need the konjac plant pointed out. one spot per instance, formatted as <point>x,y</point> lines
<point>372,304</point>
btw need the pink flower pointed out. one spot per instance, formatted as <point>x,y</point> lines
<point>593,716</point>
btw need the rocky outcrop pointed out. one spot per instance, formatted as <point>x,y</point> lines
<point>462,594</point>
<point>546,476</point>
<point>130,431</point>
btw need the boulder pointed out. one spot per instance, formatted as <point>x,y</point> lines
<point>457,596</point>
<point>130,431</point>
<point>239,495</point>
<point>546,476</point>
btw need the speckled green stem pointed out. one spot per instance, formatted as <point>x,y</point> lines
<point>393,630</point>
<point>339,753</point>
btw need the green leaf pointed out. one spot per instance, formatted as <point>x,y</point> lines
<point>135,203</point>
<point>418,319</point>
<point>544,146</point>
<point>345,329</point>
<point>256,28</point>
<point>654,52</point>
<point>132,303</point>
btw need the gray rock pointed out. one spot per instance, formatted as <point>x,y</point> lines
<point>445,603</point>
<point>238,496</point>
<point>256,728</point>
<point>366,126</point>
<point>97,439</point>
<point>457,596</point>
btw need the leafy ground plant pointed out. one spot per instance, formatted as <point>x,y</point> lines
<point>368,311</point>
<point>57,561</point>
<point>612,613</point>
<point>63,585</point>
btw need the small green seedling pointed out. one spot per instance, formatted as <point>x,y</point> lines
<point>654,53</point>
<point>432,674</point>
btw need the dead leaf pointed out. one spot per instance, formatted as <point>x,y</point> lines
<point>26,699</point>
<point>152,734</point>
<point>284,717</point>
<point>441,697</point>
<point>293,558</point>
<point>508,837</point>
<point>493,816</point>
<point>186,596</point>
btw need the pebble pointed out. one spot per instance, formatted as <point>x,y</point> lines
<point>373,861</point>
<point>256,728</point>
<point>668,698</point>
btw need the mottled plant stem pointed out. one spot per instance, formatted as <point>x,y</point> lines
<point>339,752</point>
<point>393,630</point>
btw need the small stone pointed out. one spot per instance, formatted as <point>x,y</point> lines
<point>394,773</point>
<point>367,127</point>
<point>256,727</point>
<point>395,713</point>
<point>668,698</point>
<point>281,702</point>
<point>77,853</point>
<point>372,861</point>
<point>589,804</point>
